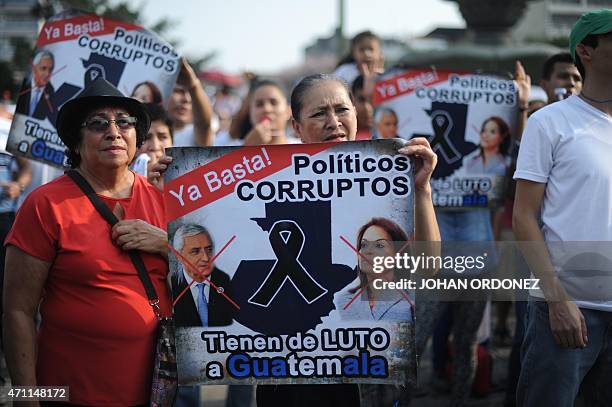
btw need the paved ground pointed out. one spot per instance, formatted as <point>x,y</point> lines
<point>214,396</point>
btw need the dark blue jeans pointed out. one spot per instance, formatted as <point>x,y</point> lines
<point>552,375</point>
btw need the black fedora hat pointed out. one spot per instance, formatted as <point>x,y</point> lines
<point>98,94</point>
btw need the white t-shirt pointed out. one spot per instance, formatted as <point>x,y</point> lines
<point>568,146</point>
<point>349,72</point>
<point>140,164</point>
<point>223,139</point>
<point>184,137</point>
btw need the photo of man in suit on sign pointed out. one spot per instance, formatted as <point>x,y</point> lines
<point>37,92</point>
<point>201,304</point>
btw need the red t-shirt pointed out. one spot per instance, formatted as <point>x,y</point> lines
<point>363,135</point>
<point>98,330</point>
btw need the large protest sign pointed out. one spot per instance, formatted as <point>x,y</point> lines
<point>469,120</point>
<point>281,232</point>
<point>71,52</point>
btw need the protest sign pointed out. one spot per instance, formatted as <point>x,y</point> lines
<point>469,120</point>
<point>276,229</point>
<point>71,52</point>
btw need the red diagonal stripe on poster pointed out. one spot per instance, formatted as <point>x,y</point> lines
<point>408,82</point>
<point>348,304</point>
<point>218,178</point>
<point>195,270</point>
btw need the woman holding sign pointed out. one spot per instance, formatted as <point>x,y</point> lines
<point>323,110</point>
<point>98,327</point>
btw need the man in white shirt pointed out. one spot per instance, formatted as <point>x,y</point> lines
<point>564,173</point>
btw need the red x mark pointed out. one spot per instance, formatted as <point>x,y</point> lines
<point>348,304</point>
<point>198,273</point>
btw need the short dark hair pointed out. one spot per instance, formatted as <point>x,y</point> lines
<point>549,64</point>
<point>592,41</point>
<point>245,124</point>
<point>357,84</point>
<point>300,90</point>
<point>258,83</point>
<point>158,113</point>
<point>155,92</point>
<point>364,35</point>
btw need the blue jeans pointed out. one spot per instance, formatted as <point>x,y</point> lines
<point>465,225</point>
<point>514,362</point>
<point>188,396</point>
<point>552,375</point>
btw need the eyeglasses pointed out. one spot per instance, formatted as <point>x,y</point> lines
<point>100,125</point>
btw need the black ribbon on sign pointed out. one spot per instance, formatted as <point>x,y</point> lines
<point>442,124</point>
<point>287,241</point>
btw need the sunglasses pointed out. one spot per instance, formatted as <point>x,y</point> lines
<point>99,124</point>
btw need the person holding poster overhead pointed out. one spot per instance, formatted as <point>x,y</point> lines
<point>98,328</point>
<point>322,110</point>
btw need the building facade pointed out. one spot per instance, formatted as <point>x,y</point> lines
<point>16,22</point>
<point>552,19</point>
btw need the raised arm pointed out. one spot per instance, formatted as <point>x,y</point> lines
<point>201,107</point>
<point>524,90</point>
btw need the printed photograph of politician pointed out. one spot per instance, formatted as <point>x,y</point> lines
<point>197,303</point>
<point>36,91</point>
<point>380,237</point>
<point>385,123</point>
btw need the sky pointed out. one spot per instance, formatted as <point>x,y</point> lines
<point>270,35</point>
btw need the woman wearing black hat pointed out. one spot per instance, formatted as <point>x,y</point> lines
<point>98,329</point>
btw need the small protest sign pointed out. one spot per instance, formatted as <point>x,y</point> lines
<point>469,120</point>
<point>71,52</point>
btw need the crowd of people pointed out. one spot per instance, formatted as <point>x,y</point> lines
<point>71,300</point>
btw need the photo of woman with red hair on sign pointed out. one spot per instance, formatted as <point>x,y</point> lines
<point>491,156</point>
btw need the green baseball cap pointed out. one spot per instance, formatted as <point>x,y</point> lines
<point>593,22</point>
